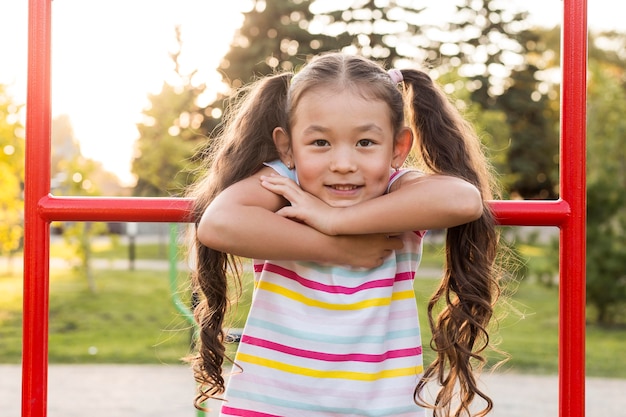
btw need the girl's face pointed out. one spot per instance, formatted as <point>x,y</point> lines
<point>342,146</point>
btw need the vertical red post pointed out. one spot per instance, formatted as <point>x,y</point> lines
<point>36,230</point>
<point>573,190</point>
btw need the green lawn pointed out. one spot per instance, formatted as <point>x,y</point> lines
<point>131,319</point>
<point>114,250</point>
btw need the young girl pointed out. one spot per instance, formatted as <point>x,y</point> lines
<point>306,179</point>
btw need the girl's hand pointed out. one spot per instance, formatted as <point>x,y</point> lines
<point>304,208</point>
<point>363,251</point>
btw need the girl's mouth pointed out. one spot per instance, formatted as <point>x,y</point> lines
<point>344,187</point>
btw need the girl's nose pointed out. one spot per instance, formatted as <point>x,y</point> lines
<point>343,160</point>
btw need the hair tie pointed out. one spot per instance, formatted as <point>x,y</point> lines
<point>396,75</point>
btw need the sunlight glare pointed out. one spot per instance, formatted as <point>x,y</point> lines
<point>107,57</point>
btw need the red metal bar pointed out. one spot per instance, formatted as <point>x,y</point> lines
<point>36,230</point>
<point>114,209</point>
<point>573,190</point>
<point>125,209</point>
<point>531,213</point>
<point>41,208</point>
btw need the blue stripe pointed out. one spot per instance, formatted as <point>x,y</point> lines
<point>280,402</point>
<point>328,338</point>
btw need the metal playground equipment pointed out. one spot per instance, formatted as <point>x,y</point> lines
<point>41,208</point>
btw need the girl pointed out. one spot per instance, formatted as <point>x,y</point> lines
<point>306,179</point>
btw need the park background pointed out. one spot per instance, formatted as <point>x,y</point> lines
<point>113,293</point>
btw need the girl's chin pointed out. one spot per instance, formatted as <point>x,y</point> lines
<point>342,203</point>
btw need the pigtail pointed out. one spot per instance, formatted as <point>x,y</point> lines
<point>469,288</point>
<point>237,152</point>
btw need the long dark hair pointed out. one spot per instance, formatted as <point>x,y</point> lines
<point>469,287</point>
<point>446,144</point>
<point>236,153</point>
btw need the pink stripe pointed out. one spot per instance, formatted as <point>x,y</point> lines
<point>337,289</point>
<point>330,357</point>
<point>230,411</point>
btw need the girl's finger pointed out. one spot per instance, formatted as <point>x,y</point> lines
<point>287,189</point>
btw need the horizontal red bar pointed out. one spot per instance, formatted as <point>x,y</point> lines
<point>115,209</point>
<point>148,209</point>
<point>531,213</point>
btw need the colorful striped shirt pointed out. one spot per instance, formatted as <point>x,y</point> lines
<point>323,340</point>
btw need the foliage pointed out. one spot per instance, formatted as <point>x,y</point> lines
<point>539,250</point>
<point>487,41</point>
<point>11,174</point>
<point>606,200</point>
<point>490,124</point>
<point>78,236</point>
<point>282,35</point>
<point>530,103</point>
<point>76,176</point>
<point>168,136</point>
<point>534,138</point>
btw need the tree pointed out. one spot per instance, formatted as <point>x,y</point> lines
<point>11,175</point>
<point>503,59</point>
<point>534,144</point>
<point>168,136</point>
<point>606,200</point>
<point>75,175</point>
<point>283,35</point>
<point>481,47</point>
<point>490,124</point>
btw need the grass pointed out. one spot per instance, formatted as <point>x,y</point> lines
<point>131,319</point>
<point>527,330</point>
<point>111,249</point>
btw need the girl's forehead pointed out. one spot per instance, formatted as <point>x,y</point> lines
<point>333,91</point>
<point>340,99</point>
<point>330,110</point>
<point>341,87</point>
<point>325,99</point>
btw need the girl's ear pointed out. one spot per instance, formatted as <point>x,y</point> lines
<point>283,145</point>
<point>402,147</point>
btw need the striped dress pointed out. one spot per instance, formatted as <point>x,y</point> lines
<point>324,340</point>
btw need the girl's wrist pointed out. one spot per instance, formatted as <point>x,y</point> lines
<point>333,223</point>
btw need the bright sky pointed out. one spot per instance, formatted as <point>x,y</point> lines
<point>107,56</point>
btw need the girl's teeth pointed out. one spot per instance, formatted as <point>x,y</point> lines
<point>344,187</point>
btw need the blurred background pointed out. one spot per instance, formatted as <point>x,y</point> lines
<point>139,88</point>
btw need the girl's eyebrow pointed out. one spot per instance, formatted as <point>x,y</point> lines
<point>316,129</point>
<point>370,127</point>
<point>364,128</point>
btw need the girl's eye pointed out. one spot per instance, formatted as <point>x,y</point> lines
<point>320,142</point>
<point>365,142</point>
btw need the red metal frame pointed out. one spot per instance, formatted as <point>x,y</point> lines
<point>41,208</point>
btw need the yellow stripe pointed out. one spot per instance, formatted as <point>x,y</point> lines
<point>372,302</point>
<point>335,374</point>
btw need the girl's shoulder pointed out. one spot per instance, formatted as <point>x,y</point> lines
<point>282,170</point>
<point>403,176</point>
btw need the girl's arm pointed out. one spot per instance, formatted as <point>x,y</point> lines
<point>415,202</point>
<point>242,221</point>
